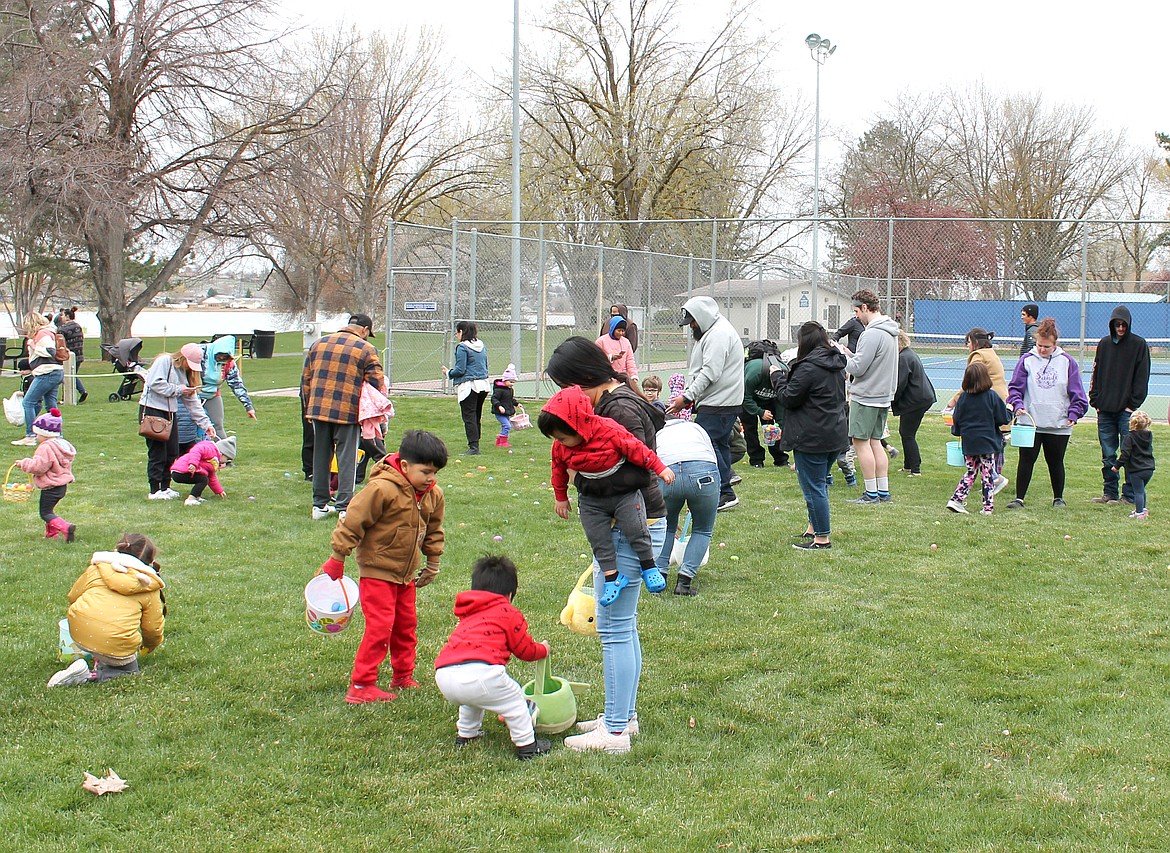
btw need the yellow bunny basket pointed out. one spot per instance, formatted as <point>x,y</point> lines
<point>580,613</point>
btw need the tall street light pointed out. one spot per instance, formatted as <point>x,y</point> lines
<point>516,183</point>
<point>819,49</point>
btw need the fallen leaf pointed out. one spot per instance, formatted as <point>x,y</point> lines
<point>111,784</point>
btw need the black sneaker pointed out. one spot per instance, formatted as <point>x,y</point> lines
<point>540,746</point>
<point>1018,503</point>
<point>757,464</point>
<point>727,502</point>
<point>682,586</point>
<point>1058,502</point>
<point>463,741</point>
<point>812,546</point>
<point>735,480</point>
<point>84,396</point>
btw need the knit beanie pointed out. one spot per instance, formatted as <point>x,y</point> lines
<point>48,424</point>
<point>509,374</point>
<point>194,355</point>
<point>227,448</point>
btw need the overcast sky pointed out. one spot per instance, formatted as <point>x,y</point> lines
<point>1109,56</point>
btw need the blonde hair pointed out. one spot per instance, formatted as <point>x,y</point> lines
<point>903,340</point>
<point>1139,420</point>
<point>34,322</point>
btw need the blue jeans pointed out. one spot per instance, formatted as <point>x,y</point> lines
<point>1112,428</point>
<point>812,471</point>
<point>617,626</point>
<point>696,484</point>
<point>505,424</point>
<point>43,389</point>
<point>1138,480</point>
<point>718,428</point>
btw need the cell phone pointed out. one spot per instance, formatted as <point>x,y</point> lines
<point>774,361</point>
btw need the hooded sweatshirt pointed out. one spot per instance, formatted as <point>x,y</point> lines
<point>490,631</point>
<point>610,459</point>
<point>619,351</point>
<point>1137,452</point>
<point>51,463</point>
<point>812,392</point>
<point>216,373</point>
<point>115,607</point>
<point>1050,389</point>
<point>1121,368</point>
<point>874,366</point>
<point>715,370</point>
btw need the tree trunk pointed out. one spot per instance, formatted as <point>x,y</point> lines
<point>106,244</point>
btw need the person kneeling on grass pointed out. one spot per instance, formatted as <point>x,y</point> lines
<point>116,608</point>
<point>470,669</point>
<point>611,471</point>
<point>397,513</point>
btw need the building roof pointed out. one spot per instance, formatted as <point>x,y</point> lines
<point>768,287</point>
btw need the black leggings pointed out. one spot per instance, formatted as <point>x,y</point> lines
<point>50,497</point>
<point>160,455</point>
<point>197,481</point>
<point>471,407</point>
<point>908,424</point>
<point>1054,447</point>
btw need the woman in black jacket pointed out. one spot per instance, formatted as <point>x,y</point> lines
<point>812,393</point>
<point>912,400</point>
<point>74,339</point>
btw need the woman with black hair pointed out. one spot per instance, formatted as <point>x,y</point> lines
<point>578,361</point>
<point>470,377</point>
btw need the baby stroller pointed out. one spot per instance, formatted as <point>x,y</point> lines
<point>125,357</point>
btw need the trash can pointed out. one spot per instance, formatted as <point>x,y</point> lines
<point>263,343</point>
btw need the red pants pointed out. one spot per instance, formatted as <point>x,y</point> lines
<point>391,624</point>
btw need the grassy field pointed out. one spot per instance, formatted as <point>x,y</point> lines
<point>1005,691</point>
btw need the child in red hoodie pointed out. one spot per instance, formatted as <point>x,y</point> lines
<point>52,469</point>
<point>610,465</point>
<point>470,669</point>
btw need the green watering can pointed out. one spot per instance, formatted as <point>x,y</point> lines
<point>555,698</point>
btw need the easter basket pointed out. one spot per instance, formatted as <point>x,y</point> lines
<point>17,492</point>
<point>520,420</point>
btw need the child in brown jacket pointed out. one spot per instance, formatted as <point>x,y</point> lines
<point>398,513</point>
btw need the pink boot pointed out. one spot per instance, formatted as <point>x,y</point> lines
<point>50,530</point>
<point>62,529</point>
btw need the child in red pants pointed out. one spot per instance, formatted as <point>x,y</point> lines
<point>400,498</point>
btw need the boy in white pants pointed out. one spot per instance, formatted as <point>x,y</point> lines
<point>470,669</point>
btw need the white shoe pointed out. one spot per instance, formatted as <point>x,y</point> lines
<point>192,501</point>
<point>999,485</point>
<point>157,496</point>
<point>76,673</point>
<point>600,740</point>
<point>171,493</point>
<point>27,441</point>
<point>593,725</point>
<point>319,513</point>
<point>955,506</point>
<point>341,515</point>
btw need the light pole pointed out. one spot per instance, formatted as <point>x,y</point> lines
<point>516,183</point>
<point>819,49</point>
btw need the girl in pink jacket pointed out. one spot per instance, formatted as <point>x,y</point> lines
<point>197,468</point>
<point>51,467</point>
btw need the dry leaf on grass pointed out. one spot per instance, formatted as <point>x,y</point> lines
<point>111,784</point>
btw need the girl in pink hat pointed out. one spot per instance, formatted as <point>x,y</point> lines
<point>51,467</point>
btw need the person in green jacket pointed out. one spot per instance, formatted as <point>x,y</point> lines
<point>760,408</point>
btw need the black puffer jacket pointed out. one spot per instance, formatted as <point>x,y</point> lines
<point>74,339</point>
<point>914,392</point>
<point>812,393</point>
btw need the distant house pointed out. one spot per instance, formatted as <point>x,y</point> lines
<point>776,308</point>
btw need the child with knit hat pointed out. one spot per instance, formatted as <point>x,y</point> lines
<point>51,467</point>
<point>173,380</point>
<point>504,403</point>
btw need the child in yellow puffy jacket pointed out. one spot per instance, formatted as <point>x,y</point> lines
<point>116,608</point>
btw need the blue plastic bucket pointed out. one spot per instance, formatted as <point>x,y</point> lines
<point>955,456</point>
<point>1023,435</point>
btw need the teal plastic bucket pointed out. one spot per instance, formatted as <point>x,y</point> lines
<point>1023,435</point>
<point>955,454</point>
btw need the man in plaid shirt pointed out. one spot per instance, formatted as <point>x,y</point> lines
<point>331,386</point>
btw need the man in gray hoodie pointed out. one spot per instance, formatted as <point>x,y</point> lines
<point>714,383</point>
<point>874,368</point>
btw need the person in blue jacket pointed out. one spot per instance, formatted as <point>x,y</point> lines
<point>470,378</point>
<point>219,366</point>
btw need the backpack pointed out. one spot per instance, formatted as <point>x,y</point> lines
<point>62,353</point>
<point>761,348</point>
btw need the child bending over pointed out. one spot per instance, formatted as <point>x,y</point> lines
<point>470,669</point>
<point>51,467</point>
<point>1137,458</point>
<point>116,608</point>
<point>611,469</point>
<point>397,513</point>
<point>197,469</point>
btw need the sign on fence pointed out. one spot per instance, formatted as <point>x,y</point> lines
<point>421,306</point>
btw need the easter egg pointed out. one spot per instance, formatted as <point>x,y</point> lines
<point>337,607</point>
<point>498,538</point>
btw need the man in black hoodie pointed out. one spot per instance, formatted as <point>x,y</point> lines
<point>1121,379</point>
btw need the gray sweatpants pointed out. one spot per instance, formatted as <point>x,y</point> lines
<point>628,513</point>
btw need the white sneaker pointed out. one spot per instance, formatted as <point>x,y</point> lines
<point>157,496</point>
<point>601,740</point>
<point>171,493</point>
<point>27,441</point>
<point>955,506</point>
<point>319,513</point>
<point>999,485</point>
<point>341,515</point>
<point>192,501</point>
<point>593,725</point>
<point>76,673</point>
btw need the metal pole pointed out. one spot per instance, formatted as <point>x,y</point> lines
<point>474,262</point>
<point>516,341</point>
<point>451,275</point>
<point>816,193</point>
<point>1084,283</point>
<point>890,264</point>
<point>388,355</point>
<point>760,303</point>
<point>714,251</point>
<point>600,284</point>
<point>542,283</point>
<point>646,338</point>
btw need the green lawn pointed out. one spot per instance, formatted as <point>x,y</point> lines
<point>1005,691</point>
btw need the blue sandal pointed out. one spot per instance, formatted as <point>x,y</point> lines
<point>654,580</point>
<point>612,590</point>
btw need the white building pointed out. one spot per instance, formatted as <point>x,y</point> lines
<point>776,308</point>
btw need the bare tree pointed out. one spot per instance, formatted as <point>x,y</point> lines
<point>1137,239</point>
<point>129,127</point>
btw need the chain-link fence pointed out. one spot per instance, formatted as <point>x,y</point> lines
<point>938,277</point>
